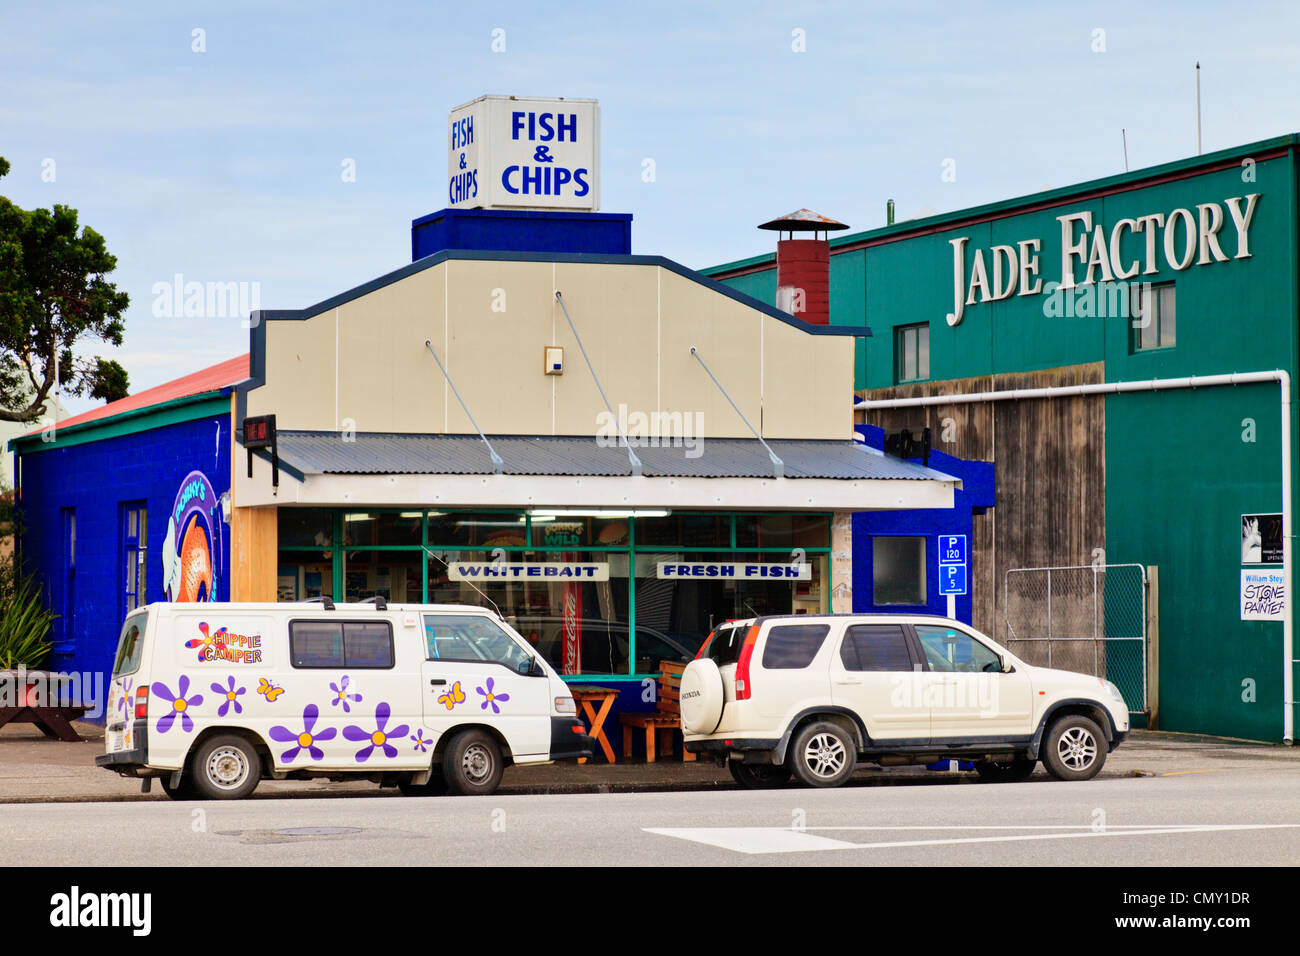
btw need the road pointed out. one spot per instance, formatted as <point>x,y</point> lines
<point>1248,817</point>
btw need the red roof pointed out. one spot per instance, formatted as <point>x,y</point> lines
<point>211,379</point>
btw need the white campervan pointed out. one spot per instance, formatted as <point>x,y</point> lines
<point>211,698</point>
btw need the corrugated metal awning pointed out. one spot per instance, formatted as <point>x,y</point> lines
<point>328,453</point>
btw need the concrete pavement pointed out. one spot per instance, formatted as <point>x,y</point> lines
<point>34,769</point>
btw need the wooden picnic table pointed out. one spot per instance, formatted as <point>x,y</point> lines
<point>588,698</point>
<point>53,721</point>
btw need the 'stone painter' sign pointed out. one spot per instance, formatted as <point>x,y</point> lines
<point>1263,594</point>
<point>521,570</point>
<point>755,571</point>
<point>506,152</point>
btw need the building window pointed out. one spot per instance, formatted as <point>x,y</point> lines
<point>134,546</point>
<point>898,571</point>
<point>912,353</point>
<point>1154,320</point>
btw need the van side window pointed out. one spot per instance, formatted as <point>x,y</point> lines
<point>470,637</point>
<point>341,644</point>
<point>793,646</point>
<point>875,647</point>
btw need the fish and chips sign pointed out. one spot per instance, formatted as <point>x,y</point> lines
<point>514,152</point>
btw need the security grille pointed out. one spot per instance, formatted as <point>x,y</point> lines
<point>1087,618</point>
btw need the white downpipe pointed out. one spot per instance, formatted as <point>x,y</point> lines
<point>1281,376</point>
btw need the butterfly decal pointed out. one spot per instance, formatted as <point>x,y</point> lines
<point>268,690</point>
<point>452,696</point>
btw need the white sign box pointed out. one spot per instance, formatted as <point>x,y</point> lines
<point>754,571</point>
<point>537,571</point>
<point>1262,595</point>
<point>514,152</point>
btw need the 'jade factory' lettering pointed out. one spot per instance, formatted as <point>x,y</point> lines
<point>1131,247</point>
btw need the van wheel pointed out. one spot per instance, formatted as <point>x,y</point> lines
<point>759,776</point>
<point>823,755</point>
<point>1012,771</point>
<point>472,764</point>
<point>1075,749</point>
<point>225,767</point>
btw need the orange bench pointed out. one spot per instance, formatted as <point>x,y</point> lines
<point>662,721</point>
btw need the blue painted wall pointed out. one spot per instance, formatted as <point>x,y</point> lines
<point>517,230</point>
<point>977,491</point>
<point>97,479</point>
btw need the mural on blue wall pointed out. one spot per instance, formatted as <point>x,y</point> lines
<point>191,552</point>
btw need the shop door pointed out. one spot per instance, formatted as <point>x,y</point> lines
<point>471,675</point>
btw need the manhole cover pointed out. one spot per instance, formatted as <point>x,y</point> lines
<point>316,831</point>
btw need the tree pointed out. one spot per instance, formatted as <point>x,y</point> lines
<point>54,291</point>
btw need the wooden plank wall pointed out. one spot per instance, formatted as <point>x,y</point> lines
<point>1051,472</point>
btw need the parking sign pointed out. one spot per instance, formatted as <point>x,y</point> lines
<point>952,564</point>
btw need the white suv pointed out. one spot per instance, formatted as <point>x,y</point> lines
<point>812,695</point>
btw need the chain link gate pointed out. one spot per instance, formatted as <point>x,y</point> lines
<point>1090,619</point>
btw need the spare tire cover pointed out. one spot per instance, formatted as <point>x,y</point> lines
<point>702,697</point>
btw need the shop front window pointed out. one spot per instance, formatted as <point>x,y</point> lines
<point>585,591</point>
<point>572,606</point>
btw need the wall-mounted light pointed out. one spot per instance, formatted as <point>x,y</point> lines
<point>225,507</point>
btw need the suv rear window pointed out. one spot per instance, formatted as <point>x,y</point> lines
<point>130,646</point>
<point>341,644</point>
<point>724,648</point>
<point>793,646</point>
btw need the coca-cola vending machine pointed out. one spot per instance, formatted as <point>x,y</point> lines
<point>571,624</point>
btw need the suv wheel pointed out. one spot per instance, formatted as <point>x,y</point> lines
<point>1012,771</point>
<point>225,768</point>
<point>759,776</point>
<point>1075,748</point>
<point>823,755</point>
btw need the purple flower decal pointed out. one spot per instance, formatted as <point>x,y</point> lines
<point>124,702</point>
<point>306,740</point>
<point>230,696</point>
<point>180,704</point>
<point>378,737</point>
<point>490,696</point>
<point>421,742</point>
<point>343,696</point>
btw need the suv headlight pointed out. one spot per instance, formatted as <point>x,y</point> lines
<point>1115,693</point>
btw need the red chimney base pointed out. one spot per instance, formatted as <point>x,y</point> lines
<point>803,279</point>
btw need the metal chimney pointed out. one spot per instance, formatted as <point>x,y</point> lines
<point>803,266</point>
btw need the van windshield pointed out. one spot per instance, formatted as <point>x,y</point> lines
<point>130,646</point>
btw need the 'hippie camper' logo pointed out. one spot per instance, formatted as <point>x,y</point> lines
<point>192,549</point>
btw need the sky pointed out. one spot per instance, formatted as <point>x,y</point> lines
<point>209,140</point>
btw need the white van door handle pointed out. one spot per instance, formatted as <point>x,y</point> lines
<point>437,682</point>
<point>848,680</point>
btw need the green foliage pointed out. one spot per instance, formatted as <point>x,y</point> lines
<point>24,621</point>
<point>54,291</point>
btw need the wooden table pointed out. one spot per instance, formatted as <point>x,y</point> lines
<point>51,721</point>
<point>50,718</point>
<point>588,698</point>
